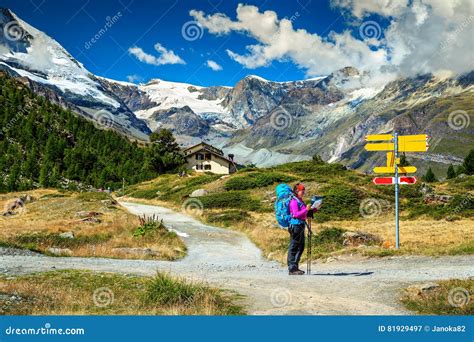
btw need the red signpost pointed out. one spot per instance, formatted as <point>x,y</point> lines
<point>391,180</point>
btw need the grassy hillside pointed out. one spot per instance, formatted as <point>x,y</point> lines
<point>244,201</point>
<point>100,226</point>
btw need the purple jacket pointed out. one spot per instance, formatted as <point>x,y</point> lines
<point>298,211</point>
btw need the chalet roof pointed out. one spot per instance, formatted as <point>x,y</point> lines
<point>208,148</point>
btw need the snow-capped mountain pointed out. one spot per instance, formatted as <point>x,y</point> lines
<point>53,72</point>
<point>260,121</point>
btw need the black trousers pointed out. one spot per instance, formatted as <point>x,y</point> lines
<point>296,247</point>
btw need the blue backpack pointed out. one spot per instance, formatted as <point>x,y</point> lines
<point>284,195</point>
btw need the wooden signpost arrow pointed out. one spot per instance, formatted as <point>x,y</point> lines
<point>393,144</point>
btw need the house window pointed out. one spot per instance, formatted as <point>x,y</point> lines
<point>207,167</point>
<point>199,156</point>
<point>208,156</point>
<point>198,166</point>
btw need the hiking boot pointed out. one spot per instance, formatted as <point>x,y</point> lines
<point>302,272</point>
<point>297,272</point>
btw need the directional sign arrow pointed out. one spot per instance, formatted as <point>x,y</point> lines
<point>391,180</point>
<point>391,169</point>
<point>410,146</point>
<point>379,137</point>
<point>409,138</point>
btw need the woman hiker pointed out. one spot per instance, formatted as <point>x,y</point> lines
<point>299,212</point>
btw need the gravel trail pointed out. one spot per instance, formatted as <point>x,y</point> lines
<point>228,259</point>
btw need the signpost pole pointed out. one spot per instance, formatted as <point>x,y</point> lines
<point>397,231</point>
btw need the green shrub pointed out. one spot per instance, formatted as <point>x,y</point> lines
<point>93,196</point>
<point>165,290</point>
<point>332,235</point>
<point>327,240</point>
<point>256,180</point>
<point>39,241</point>
<point>149,226</point>
<point>144,193</point>
<point>230,199</point>
<point>340,202</point>
<point>229,217</point>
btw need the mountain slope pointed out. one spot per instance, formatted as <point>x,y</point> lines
<point>51,70</point>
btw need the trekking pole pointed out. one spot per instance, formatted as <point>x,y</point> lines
<point>308,261</point>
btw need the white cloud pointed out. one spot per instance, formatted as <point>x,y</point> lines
<point>165,56</point>
<point>134,78</point>
<point>421,36</point>
<point>278,40</point>
<point>360,8</point>
<point>213,65</point>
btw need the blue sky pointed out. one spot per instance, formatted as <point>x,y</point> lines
<point>144,23</point>
<point>278,40</point>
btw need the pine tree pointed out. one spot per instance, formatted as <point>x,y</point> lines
<point>13,178</point>
<point>468,164</point>
<point>450,173</point>
<point>429,176</point>
<point>403,160</point>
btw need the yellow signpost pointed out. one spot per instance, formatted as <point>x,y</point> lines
<point>393,144</point>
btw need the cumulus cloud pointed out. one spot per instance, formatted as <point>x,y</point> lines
<point>278,40</point>
<point>421,36</point>
<point>134,78</point>
<point>165,56</point>
<point>213,65</point>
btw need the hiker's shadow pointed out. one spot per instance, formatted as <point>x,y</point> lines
<point>343,274</point>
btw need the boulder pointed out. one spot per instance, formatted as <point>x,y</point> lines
<point>355,239</point>
<point>135,251</point>
<point>14,204</point>
<point>8,213</point>
<point>67,235</point>
<point>419,289</point>
<point>437,199</point>
<point>27,198</point>
<point>59,251</point>
<point>88,214</point>
<point>199,193</point>
<point>91,220</point>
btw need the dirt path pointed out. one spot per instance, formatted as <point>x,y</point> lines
<point>228,259</point>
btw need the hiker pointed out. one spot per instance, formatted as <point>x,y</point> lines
<point>298,212</point>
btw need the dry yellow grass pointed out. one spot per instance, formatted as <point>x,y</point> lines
<point>52,212</point>
<point>83,292</point>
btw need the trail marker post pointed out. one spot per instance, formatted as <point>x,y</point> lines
<point>393,144</point>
